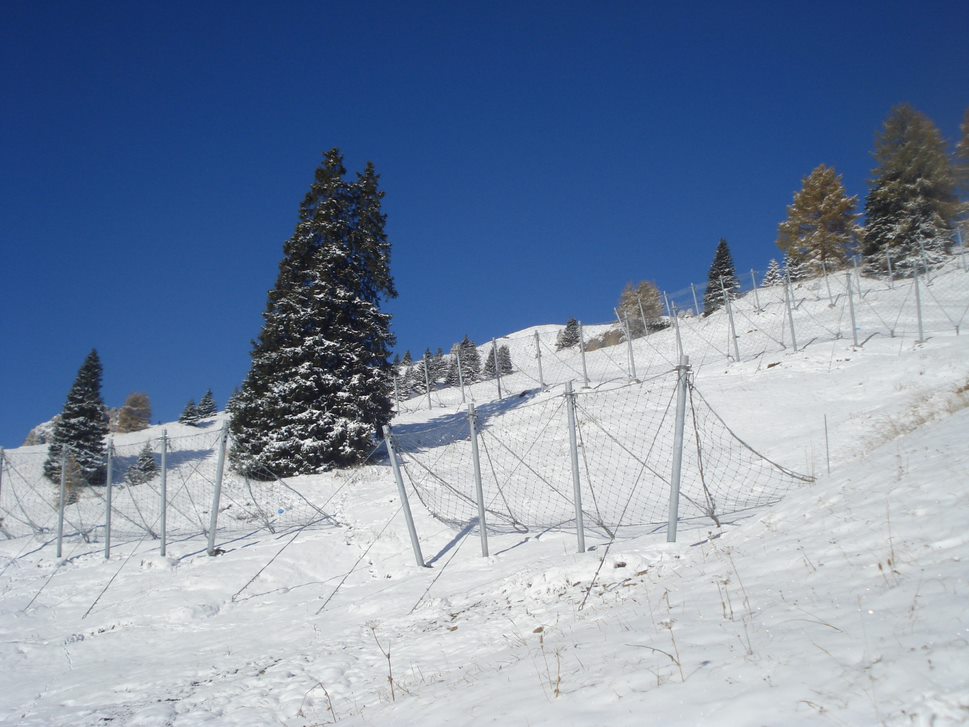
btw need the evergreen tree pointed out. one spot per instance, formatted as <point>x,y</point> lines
<point>568,336</point>
<point>723,277</point>
<point>190,414</point>
<point>438,367</point>
<point>135,415</point>
<point>504,360</point>
<point>453,378</point>
<point>81,429</point>
<point>911,206</point>
<point>206,406</point>
<point>638,301</point>
<point>773,276</point>
<point>820,231</point>
<point>470,361</point>
<point>319,387</point>
<point>490,369</point>
<point>144,468</point>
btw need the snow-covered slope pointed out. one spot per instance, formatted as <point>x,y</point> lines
<point>846,603</point>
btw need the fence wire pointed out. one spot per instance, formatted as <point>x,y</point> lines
<point>625,450</point>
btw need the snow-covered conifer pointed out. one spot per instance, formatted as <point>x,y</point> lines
<point>206,406</point>
<point>774,275</point>
<point>568,336</point>
<point>81,428</point>
<point>722,277</point>
<point>319,386</point>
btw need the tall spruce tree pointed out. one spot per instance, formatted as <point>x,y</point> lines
<point>81,429</point>
<point>911,206</point>
<point>722,277</point>
<point>320,383</point>
<point>505,365</point>
<point>821,230</point>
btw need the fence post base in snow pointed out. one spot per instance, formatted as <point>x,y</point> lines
<point>682,381</point>
<point>585,371</point>
<point>164,491</point>
<point>63,502</point>
<point>576,485</point>
<point>918,306</point>
<point>478,489</point>
<point>733,329</point>
<point>851,309</point>
<point>217,495</point>
<point>790,312</point>
<point>405,505</point>
<point>107,503</point>
<point>538,352</point>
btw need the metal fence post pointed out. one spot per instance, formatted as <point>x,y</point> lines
<point>682,381</point>
<point>427,381</point>
<point>217,495</point>
<point>494,353</point>
<point>696,303</point>
<point>891,272</point>
<point>107,501</point>
<point>460,375</point>
<point>642,313</point>
<point>851,309</point>
<point>790,312</point>
<point>63,501</point>
<point>396,392</point>
<point>585,371</point>
<point>676,328</point>
<point>164,491</point>
<point>478,489</point>
<point>404,503</point>
<point>576,485</point>
<point>918,306</point>
<point>827,283</point>
<point>538,351</point>
<point>629,350</point>
<point>3,462</point>
<point>753,280</point>
<point>733,330</point>
<point>666,300</point>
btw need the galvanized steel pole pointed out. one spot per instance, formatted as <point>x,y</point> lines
<point>576,484</point>
<point>405,505</point>
<point>478,489</point>
<point>217,495</point>
<point>682,381</point>
<point>107,502</point>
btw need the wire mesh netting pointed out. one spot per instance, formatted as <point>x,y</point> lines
<point>758,320</point>
<point>30,500</point>
<point>625,439</point>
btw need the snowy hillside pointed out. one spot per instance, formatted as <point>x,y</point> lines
<point>847,602</point>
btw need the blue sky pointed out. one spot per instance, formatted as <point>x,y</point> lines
<point>535,158</point>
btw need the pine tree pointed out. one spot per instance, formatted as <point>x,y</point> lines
<point>190,414</point>
<point>638,301</point>
<point>470,361</point>
<point>81,429</point>
<point>773,276</point>
<point>821,230</point>
<point>135,415</point>
<point>504,360</point>
<point>319,388</point>
<point>723,277</point>
<point>206,406</point>
<point>453,377</point>
<point>568,336</point>
<point>911,206</point>
<point>144,468</point>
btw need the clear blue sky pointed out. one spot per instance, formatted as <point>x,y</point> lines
<point>535,158</point>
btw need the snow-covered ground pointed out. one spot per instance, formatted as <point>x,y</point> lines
<point>847,603</point>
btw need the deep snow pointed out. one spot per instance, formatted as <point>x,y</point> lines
<point>846,603</point>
